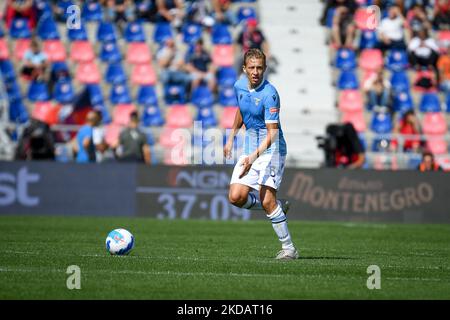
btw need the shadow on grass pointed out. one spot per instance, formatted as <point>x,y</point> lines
<point>324,258</point>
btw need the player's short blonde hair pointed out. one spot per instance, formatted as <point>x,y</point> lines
<point>254,53</point>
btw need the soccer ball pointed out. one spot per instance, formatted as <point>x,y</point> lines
<point>119,242</point>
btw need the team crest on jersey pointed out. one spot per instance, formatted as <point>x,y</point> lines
<point>257,101</point>
<point>274,98</point>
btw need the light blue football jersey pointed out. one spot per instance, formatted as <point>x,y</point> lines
<point>259,106</point>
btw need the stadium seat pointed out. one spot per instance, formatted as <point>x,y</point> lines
<point>447,103</point>
<point>121,114</point>
<point>92,11</point>
<point>226,76</point>
<point>371,59</point>
<point>21,46</point>
<point>202,97</point>
<point>77,34</point>
<point>2,31</point>
<point>95,93</point>
<point>120,94</point>
<point>179,116</point>
<point>425,76</point>
<point>38,91</point>
<point>192,32</point>
<point>106,32</point>
<point>221,35</point>
<point>88,73</point>
<point>330,17</point>
<point>7,70</point>
<point>368,40</point>
<point>174,94</point>
<point>436,144</point>
<point>400,82</point>
<point>227,117</point>
<point>434,123</point>
<point>4,51</point>
<point>112,133</point>
<point>365,19</point>
<point>347,80</point>
<point>134,32</point>
<point>43,9</point>
<point>245,13</point>
<point>13,90</point>
<point>355,118</point>
<point>350,101</point>
<point>106,117</point>
<point>147,96</point>
<point>207,117</point>
<point>110,52</point>
<point>402,102</point>
<point>18,112</point>
<point>170,137</point>
<point>55,51</point>
<point>82,51</point>
<point>397,60</point>
<point>47,112</point>
<point>381,122</point>
<point>227,96</point>
<point>143,74</point>
<point>223,55</point>
<point>115,74</point>
<point>345,59</point>
<point>152,117</point>
<point>443,38</point>
<point>429,102</point>
<point>380,144</point>
<point>163,30</point>
<point>63,91</point>
<point>20,29</point>
<point>47,29</point>
<point>138,52</point>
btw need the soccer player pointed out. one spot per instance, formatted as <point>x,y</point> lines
<point>261,166</point>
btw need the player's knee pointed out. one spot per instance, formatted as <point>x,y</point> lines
<point>237,199</point>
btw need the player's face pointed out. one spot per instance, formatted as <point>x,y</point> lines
<point>254,69</point>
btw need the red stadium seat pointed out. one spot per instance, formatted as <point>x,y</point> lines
<point>443,38</point>
<point>227,118</point>
<point>21,46</point>
<point>371,59</point>
<point>179,116</point>
<point>223,55</point>
<point>138,52</point>
<point>55,51</point>
<point>350,101</point>
<point>355,118</point>
<point>143,74</point>
<point>4,52</point>
<point>81,51</point>
<point>121,113</point>
<point>437,144</point>
<point>434,123</point>
<point>366,19</point>
<point>47,112</point>
<point>88,73</point>
<point>112,133</point>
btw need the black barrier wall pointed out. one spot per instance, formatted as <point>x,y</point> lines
<point>200,192</point>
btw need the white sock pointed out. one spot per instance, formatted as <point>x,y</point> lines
<point>252,203</point>
<point>279,224</point>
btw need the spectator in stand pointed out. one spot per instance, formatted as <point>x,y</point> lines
<point>441,15</point>
<point>408,125</point>
<point>428,163</point>
<point>253,37</point>
<point>146,10</point>
<point>171,64</point>
<point>37,142</point>
<point>199,65</point>
<point>391,30</point>
<point>199,11</point>
<point>133,145</point>
<point>423,51</point>
<point>443,65</point>
<point>223,12</point>
<point>333,4</point>
<point>417,20</point>
<point>119,11</point>
<point>21,9</point>
<point>35,62</point>
<point>84,146</point>
<point>171,11</point>
<point>378,91</point>
<point>343,30</point>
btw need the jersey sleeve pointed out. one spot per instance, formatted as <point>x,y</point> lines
<point>272,107</point>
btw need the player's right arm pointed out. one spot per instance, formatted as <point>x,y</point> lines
<point>237,124</point>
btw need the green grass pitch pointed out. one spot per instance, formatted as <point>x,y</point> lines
<point>199,259</point>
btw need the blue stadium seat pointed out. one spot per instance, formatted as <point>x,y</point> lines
<point>92,11</point>
<point>106,32</point>
<point>347,80</point>
<point>18,112</point>
<point>147,96</point>
<point>402,102</point>
<point>226,76</point>
<point>380,144</point>
<point>245,13</point>
<point>150,139</point>
<point>134,32</point>
<point>330,16</point>
<point>115,73</point>
<point>227,97</point>
<point>38,91</point>
<point>221,34</point>
<point>447,103</point>
<point>43,9</point>
<point>63,5</point>
<point>192,32</point>
<point>381,122</point>
<point>430,103</point>
<point>47,29</point>
<point>13,90</point>
<point>174,94</point>
<point>77,34</point>
<point>120,94</point>
<point>163,30</point>
<point>95,93</point>
<point>20,29</point>
<point>63,91</point>
<point>202,97</point>
<point>345,59</point>
<point>207,117</point>
<point>397,60</point>
<point>7,70</point>
<point>152,116</point>
<point>400,81</point>
<point>368,40</point>
<point>110,52</point>
<point>60,68</point>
